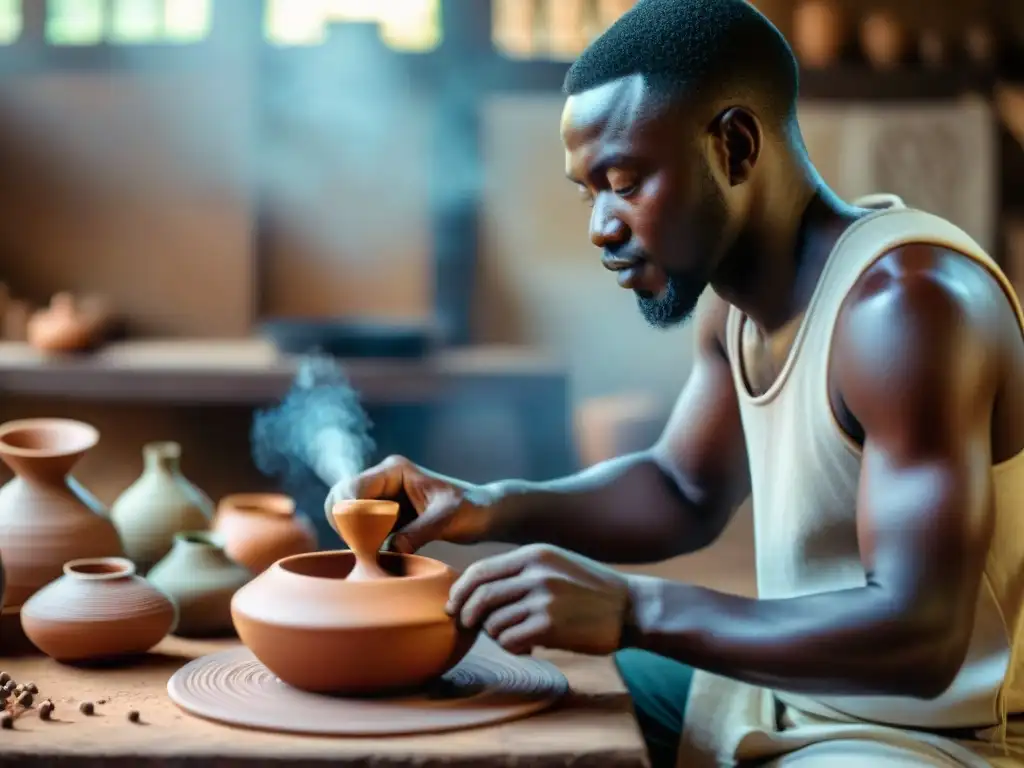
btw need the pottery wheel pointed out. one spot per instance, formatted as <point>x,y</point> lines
<point>488,686</point>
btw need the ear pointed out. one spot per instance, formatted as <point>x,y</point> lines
<point>738,138</point>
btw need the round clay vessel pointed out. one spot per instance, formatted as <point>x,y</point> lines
<point>883,40</point>
<point>818,32</point>
<point>61,327</point>
<point>258,529</point>
<point>319,631</point>
<point>46,518</point>
<point>98,610</point>
<point>158,505</point>
<point>201,580</point>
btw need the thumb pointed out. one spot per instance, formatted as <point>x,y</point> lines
<point>430,525</point>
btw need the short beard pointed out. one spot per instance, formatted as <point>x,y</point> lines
<point>673,307</point>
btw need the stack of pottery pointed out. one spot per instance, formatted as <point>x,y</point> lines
<point>160,504</point>
<point>355,622</point>
<point>98,610</point>
<point>201,579</point>
<point>46,518</point>
<point>258,529</point>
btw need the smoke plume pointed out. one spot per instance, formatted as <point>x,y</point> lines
<point>318,432</point>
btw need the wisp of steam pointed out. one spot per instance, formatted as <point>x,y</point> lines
<point>318,433</point>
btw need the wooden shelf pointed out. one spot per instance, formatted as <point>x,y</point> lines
<point>252,372</point>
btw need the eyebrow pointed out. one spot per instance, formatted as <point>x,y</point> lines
<point>603,163</point>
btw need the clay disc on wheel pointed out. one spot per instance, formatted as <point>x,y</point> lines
<point>488,686</point>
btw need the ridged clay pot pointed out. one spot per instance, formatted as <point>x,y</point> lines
<point>98,610</point>
<point>258,529</point>
<point>356,622</point>
<point>46,517</point>
<point>158,505</point>
<point>201,580</point>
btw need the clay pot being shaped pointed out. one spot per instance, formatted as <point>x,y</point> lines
<point>818,31</point>
<point>46,518</point>
<point>201,580</point>
<point>358,622</point>
<point>258,529</point>
<point>61,327</point>
<point>98,610</point>
<point>158,505</point>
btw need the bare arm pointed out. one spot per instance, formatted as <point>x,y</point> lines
<point>916,360</point>
<point>645,507</point>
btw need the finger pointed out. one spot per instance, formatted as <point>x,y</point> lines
<point>522,638</point>
<point>384,481</point>
<point>492,596</point>
<point>429,526</point>
<point>483,571</point>
<point>506,618</point>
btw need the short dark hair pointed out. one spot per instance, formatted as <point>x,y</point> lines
<point>694,48</point>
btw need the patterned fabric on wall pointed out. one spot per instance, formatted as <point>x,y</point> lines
<point>938,157</point>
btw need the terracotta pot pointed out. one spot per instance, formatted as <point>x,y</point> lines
<point>201,580</point>
<point>318,630</point>
<point>99,609</point>
<point>62,327</point>
<point>158,505</point>
<point>883,40</point>
<point>818,31</point>
<point>46,518</point>
<point>258,529</point>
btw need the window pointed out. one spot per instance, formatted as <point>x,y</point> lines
<point>407,25</point>
<point>10,21</point>
<point>552,29</point>
<point>127,22</point>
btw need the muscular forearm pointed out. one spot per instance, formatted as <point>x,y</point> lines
<point>626,510</point>
<point>853,642</point>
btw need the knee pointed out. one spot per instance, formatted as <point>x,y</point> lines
<point>659,689</point>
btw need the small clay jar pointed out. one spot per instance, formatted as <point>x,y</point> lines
<point>61,327</point>
<point>159,504</point>
<point>818,32</point>
<point>201,580</point>
<point>932,49</point>
<point>258,529</point>
<point>353,622</point>
<point>98,610</point>
<point>883,40</point>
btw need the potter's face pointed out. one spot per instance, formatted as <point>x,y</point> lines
<point>658,215</point>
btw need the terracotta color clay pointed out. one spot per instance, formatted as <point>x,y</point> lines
<point>61,327</point>
<point>201,580</point>
<point>46,517</point>
<point>318,631</point>
<point>158,505</point>
<point>883,40</point>
<point>488,686</point>
<point>258,529</point>
<point>99,609</point>
<point>818,31</point>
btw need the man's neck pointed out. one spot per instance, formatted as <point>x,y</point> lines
<point>771,273</point>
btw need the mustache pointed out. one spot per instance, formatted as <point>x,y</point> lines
<point>625,256</point>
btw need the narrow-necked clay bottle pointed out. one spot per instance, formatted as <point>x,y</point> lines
<point>46,518</point>
<point>99,609</point>
<point>158,505</point>
<point>201,580</point>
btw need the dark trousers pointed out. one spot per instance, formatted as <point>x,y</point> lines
<point>659,688</point>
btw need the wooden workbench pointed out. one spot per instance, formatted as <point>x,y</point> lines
<point>593,727</point>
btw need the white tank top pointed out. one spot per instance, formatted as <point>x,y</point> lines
<point>804,475</point>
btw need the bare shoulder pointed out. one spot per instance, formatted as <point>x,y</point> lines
<point>924,328</point>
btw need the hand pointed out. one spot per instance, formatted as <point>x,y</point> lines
<point>544,596</point>
<point>431,507</point>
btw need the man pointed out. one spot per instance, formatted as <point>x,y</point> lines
<point>859,371</point>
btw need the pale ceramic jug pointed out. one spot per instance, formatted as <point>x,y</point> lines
<point>201,580</point>
<point>159,505</point>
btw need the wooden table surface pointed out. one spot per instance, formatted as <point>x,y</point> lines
<point>593,726</point>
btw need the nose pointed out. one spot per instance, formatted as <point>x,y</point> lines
<point>606,230</point>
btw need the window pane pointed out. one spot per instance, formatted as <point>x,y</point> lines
<point>136,21</point>
<point>295,22</point>
<point>187,21</point>
<point>411,25</point>
<point>74,22</point>
<point>10,21</point>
